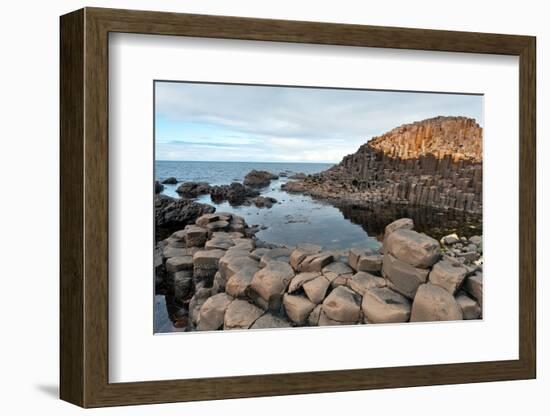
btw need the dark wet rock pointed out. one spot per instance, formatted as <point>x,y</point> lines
<point>172,214</point>
<point>299,175</point>
<point>235,193</point>
<point>158,187</point>
<point>264,201</point>
<point>193,189</point>
<point>170,181</point>
<point>259,178</point>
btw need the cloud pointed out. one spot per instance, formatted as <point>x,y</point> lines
<point>260,123</point>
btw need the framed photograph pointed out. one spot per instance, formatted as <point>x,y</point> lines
<point>255,207</point>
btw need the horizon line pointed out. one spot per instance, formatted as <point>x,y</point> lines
<point>243,161</point>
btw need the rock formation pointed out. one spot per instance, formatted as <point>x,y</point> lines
<point>222,280</point>
<point>436,162</point>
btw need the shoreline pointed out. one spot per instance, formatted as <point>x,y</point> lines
<point>208,266</point>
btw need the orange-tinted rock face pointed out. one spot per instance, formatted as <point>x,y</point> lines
<point>457,137</point>
<point>435,162</point>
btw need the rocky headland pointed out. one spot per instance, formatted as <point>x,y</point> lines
<point>435,162</point>
<point>216,276</point>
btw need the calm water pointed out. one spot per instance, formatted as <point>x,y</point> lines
<point>292,220</point>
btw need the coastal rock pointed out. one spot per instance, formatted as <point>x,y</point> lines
<point>259,178</point>
<point>170,251</point>
<point>220,225</point>
<point>448,275</point>
<point>450,239</point>
<point>301,252</point>
<point>193,189</point>
<point>297,308</point>
<point>195,236</point>
<point>413,248</point>
<point>316,262</point>
<point>360,282</point>
<point>433,303</point>
<point>170,181</point>
<point>195,304</point>
<point>337,273</point>
<point>299,175</point>
<point>401,223</point>
<point>474,286</point>
<point>235,193</point>
<point>281,254</point>
<point>176,264</point>
<point>264,201</point>
<point>470,308</point>
<point>205,219</point>
<point>313,318</point>
<point>316,289</point>
<point>241,314</point>
<point>183,284</point>
<point>270,283</point>
<point>171,213</point>
<point>404,277</point>
<point>158,187</point>
<point>234,262</point>
<point>324,320</point>
<point>342,305</point>
<point>268,320</point>
<point>298,281</point>
<point>237,285</point>
<point>383,305</point>
<point>370,263</point>
<point>212,312</point>
<point>205,265</point>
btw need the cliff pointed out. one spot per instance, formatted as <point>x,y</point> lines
<point>435,162</point>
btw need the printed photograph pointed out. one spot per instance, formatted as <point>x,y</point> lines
<point>289,206</point>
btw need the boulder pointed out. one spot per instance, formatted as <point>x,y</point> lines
<point>474,286</point>
<point>316,262</point>
<point>448,275</point>
<point>476,239</point>
<point>402,223</point>
<point>337,273</point>
<point>404,277</point>
<point>264,201</point>
<point>193,189</point>
<point>158,187</point>
<point>212,312</point>
<point>171,212</point>
<point>470,308</point>
<point>195,236</point>
<point>183,284</point>
<point>220,225</point>
<point>324,320</point>
<point>269,284</point>
<point>342,305</point>
<point>198,299</point>
<point>433,303</point>
<point>313,318</point>
<point>413,248</point>
<point>241,314</point>
<point>207,259</point>
<point>370,263</point>
<point>297,308</point>
<point>237,285</point>
<point>281,254</point>
<point>259,252</point>
<point>301,252</point>
<point>170,181</point>
<point>233,262</point>
<point>360,282</point>
<point>268,320</point>
<point>298,281</point>
<point>383,305</point>
<point>258,178</point>
<point>172,251</point>
<point>175,264</point>
<point>205,219</point>
<point>235,193</point>
<point>450,239</point>
<point>316,289</point>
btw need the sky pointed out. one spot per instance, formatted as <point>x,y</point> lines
<point>224,122</point>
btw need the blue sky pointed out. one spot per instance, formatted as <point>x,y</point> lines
<point>222,122</point>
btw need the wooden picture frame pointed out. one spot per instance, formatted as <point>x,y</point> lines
<point>84,207</point>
